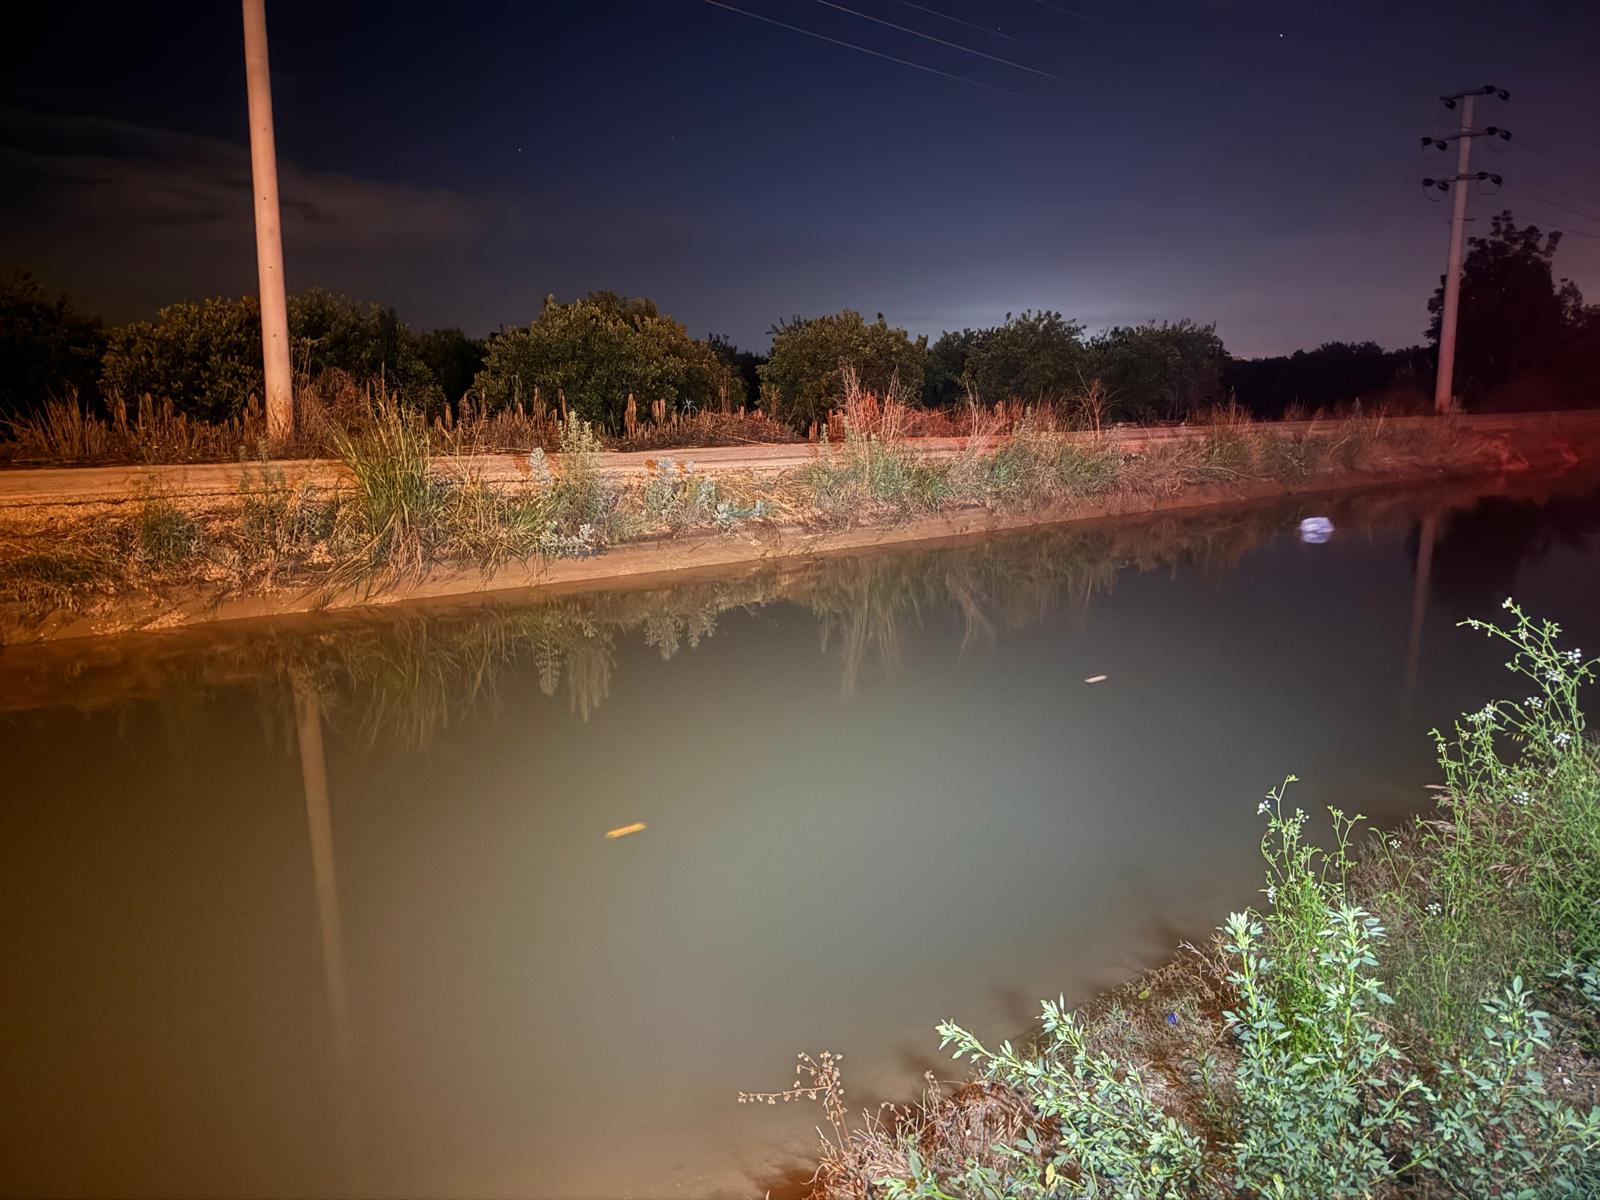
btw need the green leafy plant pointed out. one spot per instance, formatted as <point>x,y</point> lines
<point>1495,1131</point>
<point>1098,1132</point>
<point>1336,1121</point>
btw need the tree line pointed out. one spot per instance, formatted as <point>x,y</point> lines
<point>1526,340</point>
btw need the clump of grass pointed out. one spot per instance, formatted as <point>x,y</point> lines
<point>1376,1029</point>
<point>388,524</point>
<point>872,471</point>
<point>1034,468</point>
<point>66,574</point>
<point>709,429</point>
<point>403,515</point>
<point>66,430</point>
<point>166,537</point>
<point>280,528</point>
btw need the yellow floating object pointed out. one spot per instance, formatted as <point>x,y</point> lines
<point>625,830</point>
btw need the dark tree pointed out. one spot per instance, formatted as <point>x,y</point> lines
<point>1514,316</point>
<point>746,364</point>
<point>1334,375</point>
<point>945,381</point>
<point>454,358</point>
<point>48,346</point>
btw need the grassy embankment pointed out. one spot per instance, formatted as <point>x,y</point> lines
<point>1411,1013</point>
<point>400,514</point>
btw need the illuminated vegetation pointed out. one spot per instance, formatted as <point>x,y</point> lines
<point>1414,1012</point>
<point>404,512</point>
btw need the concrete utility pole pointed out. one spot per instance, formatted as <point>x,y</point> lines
<point>1445,378</point>
<point>269,229</point>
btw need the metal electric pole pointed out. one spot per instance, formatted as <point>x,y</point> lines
<point>1445,378</point>
<point>269,230</point>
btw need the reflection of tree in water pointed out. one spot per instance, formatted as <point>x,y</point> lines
<point>403,677</point>
<point>1483,547</point>
<point>411,678</point>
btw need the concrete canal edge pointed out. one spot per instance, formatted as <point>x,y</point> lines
<point>1541,441</point>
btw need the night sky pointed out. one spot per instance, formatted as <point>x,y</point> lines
<point>1252,164</point>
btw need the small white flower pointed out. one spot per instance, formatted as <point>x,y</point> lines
<point>1506,603</point>
<point>1553,675</point>
<point>1263,807</point>
<point>1575,656</point>
<point>1432,908</point>
<point>1394,843</point>
<point>1521,798</point>
<point>1272,893</point>
<point>1534,703</point>
<point>1300,815</point>
<point>1562,738</point>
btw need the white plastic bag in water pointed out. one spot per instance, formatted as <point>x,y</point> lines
<point>1316,530</point>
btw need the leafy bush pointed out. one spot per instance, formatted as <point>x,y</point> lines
<point>1508,882</point>
<point>205,357</point>
<point>1096,1123</point>
<point>1497,1134</point>
<point>806,373</point>
<point>1033,357</point>
<point>594,352</point>
<point>1334,1120</point>
<point>366,341</point>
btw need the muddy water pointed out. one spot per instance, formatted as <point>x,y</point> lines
<point>328,907</point>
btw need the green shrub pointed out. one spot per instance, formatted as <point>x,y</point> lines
<point>1334,1120</point>
<point>1096,1123</point>
<point>49,347</point>
<point>594,352</point>
<point>1495,1131</point>
<point>205,357</point>
<point>806,373</point>
<point>1508,881</point>
<point>1310,1088</point>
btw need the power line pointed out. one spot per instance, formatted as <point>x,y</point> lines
<point>934,12</point>
<point>1564,229</point>
<point>1072,12</point>
<point>930,38</point>
<point>822,37</point>
<point>1543,199</point>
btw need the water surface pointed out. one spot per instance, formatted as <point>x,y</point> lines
<point>326,906</point>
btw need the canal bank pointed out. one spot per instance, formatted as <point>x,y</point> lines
<point>725,509</point>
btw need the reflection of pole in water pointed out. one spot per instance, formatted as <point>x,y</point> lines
<point>1419,604</point>
<point>319,825</point>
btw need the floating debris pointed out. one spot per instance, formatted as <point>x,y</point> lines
<point>1095,679</point>
<point>1316,530</point>
<point>625,830</point>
